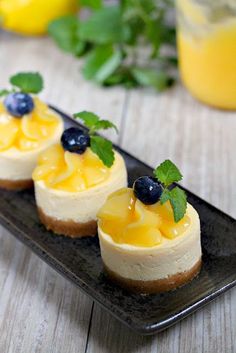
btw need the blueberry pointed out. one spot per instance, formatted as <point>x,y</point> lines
<point>147,190</point>
<point>19,103</point>
<point>75,140</point>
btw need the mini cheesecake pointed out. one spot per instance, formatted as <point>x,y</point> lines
<point>142,247</point>
<point>22,139</point>
<point>71,187</point>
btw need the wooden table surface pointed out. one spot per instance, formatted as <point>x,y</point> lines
<point>41,312</point>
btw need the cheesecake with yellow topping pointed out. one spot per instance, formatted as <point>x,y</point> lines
<point>72,182</point>
<point>143,248</point>
<point>27,127</point>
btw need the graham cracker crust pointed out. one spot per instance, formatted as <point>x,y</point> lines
<point>156,286</point>
<point>68,228</point>
<point>16,184</point>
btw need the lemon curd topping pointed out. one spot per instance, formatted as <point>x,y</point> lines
<point>28,132</point>
<point>207,50</point>
<point>72,172</point>
<point>128,221</point>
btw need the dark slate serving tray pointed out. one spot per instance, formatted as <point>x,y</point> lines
<point>79,260</point>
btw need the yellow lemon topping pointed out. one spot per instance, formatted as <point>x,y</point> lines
<point>128,221</point>
<point>72,172</point>
<point>28,132</point>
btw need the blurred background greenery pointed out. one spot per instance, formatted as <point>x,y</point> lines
<point>132,43</point>
<point>129,43</point>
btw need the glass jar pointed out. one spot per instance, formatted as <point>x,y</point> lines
<point>207,50</point>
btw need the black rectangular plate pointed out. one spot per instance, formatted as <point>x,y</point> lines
<point>79,260</point>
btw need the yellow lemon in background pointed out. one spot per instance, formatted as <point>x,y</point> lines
<point>31,17</point>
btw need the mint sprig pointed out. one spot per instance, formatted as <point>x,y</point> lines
<point>168,173</point>
<point>89,119</point>
<point>114,38</point>
<point>103,149</point>
<point>178,201</point>
<point>99,145</point>
<point>27,82</point>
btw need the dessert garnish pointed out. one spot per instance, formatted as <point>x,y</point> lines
<point>26,123</point>
<point>18,101</point>
<point>76,140</point>
<point>150,190</point>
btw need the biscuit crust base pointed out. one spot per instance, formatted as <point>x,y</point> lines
<point>16,184</point>
<point>155,286</point>
<point>68,228</point>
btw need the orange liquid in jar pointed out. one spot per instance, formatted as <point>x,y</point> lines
<point>207,51</point>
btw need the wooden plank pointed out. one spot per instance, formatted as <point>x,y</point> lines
<point>201,141</point>
<point>39,310</point>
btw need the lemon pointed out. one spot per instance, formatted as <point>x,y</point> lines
<point>31,17</point>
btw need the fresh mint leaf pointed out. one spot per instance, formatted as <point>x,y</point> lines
<point>131,28</point>
<point>4,92</point>
<point>94,123</point>
<point>150,77</point>
<point>153,32</point>
<point>104,125</point>
<point>90,119</point>
<point>64,32</point>
<point>165,196</point>
<point>167,173</point>
<point>98,144</point>
<point>103,149</point>
<point>116,78</point>
<point>92,4</point>
<point>101,63</point>
<point>178,200</point>
<point>28,82</point>
<point>104,26</point>
<point>122,76</point>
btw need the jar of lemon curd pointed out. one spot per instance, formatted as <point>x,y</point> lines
<point>207,50</point>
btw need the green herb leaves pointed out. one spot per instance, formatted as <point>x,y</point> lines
<point>65,33</point>
<point>178,201</point>
<point>150,77</point>
<point>103,149</point>
<point>104,26</point>
<point>89,119</point>
<point>93,4</point>
<point>27,82</point>
<point>101,63</point>
<point>116,38</point>
<point>94,123</point>
<point>167,173</point>
<point>98,144</point>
